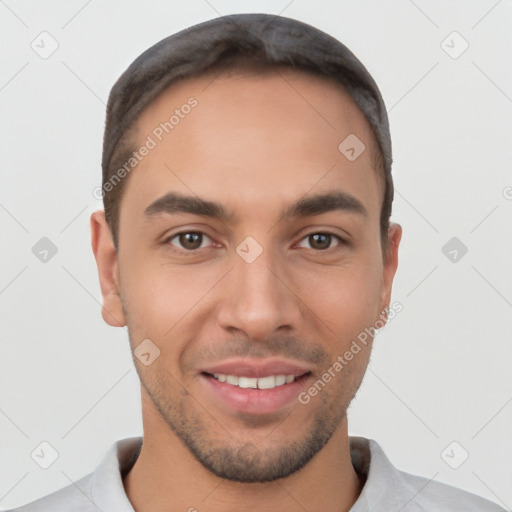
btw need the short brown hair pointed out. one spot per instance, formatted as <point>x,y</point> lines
<point>261,41</point>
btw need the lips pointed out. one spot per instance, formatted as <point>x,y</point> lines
<point>255,386</point>
<point>257,368</point>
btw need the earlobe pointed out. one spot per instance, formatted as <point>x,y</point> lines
<point>383,318</point>
<point>390,263</point>
<point>106,261</point>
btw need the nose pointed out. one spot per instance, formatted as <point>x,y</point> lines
<point>258,298</point>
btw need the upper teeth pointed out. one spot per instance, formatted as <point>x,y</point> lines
<point>253,382</point>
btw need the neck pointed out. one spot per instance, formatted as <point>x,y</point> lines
<point>167,476</point>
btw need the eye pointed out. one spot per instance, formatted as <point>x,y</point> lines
<point>189,240</point>
<point>320,241</point>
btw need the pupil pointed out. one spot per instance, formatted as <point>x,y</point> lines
<point>320,241</point>
<point>190,240</point>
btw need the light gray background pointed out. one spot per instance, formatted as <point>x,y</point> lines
<point>440,371</point>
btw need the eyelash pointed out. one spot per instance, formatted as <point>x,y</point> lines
<point>341,241</point>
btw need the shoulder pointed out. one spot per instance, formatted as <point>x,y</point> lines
<point>72,497</point>
<point>101,490</point>
<point>423,494</point>
<point>397,490</point>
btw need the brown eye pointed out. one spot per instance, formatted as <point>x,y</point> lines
<point>320,241</point>
<point>188,240</point>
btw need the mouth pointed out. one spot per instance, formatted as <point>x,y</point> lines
<point>269,382</point>
<point>252,387</point>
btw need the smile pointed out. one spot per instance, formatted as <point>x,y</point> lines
<point>269,382</point>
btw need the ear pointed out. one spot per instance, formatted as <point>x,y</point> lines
<point>390,265</point>
<point>106,261</point>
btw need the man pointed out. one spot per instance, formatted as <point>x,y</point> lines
<point>246,245</point>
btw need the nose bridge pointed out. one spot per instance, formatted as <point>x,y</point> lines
<point>257,301</point>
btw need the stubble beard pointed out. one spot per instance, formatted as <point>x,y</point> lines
<point>238,460</point>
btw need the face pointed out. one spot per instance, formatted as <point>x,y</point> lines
<point>250,257</point>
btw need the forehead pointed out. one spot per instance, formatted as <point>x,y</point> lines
<point>276,134</point>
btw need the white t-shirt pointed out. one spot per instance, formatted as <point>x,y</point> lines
<point>386,488</point>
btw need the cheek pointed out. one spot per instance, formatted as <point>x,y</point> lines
<point>346,298</point>
<point>161,297</point>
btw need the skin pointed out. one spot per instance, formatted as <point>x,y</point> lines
<point>254,145</point>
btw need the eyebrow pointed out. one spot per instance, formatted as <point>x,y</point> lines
<point>174,203</point>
